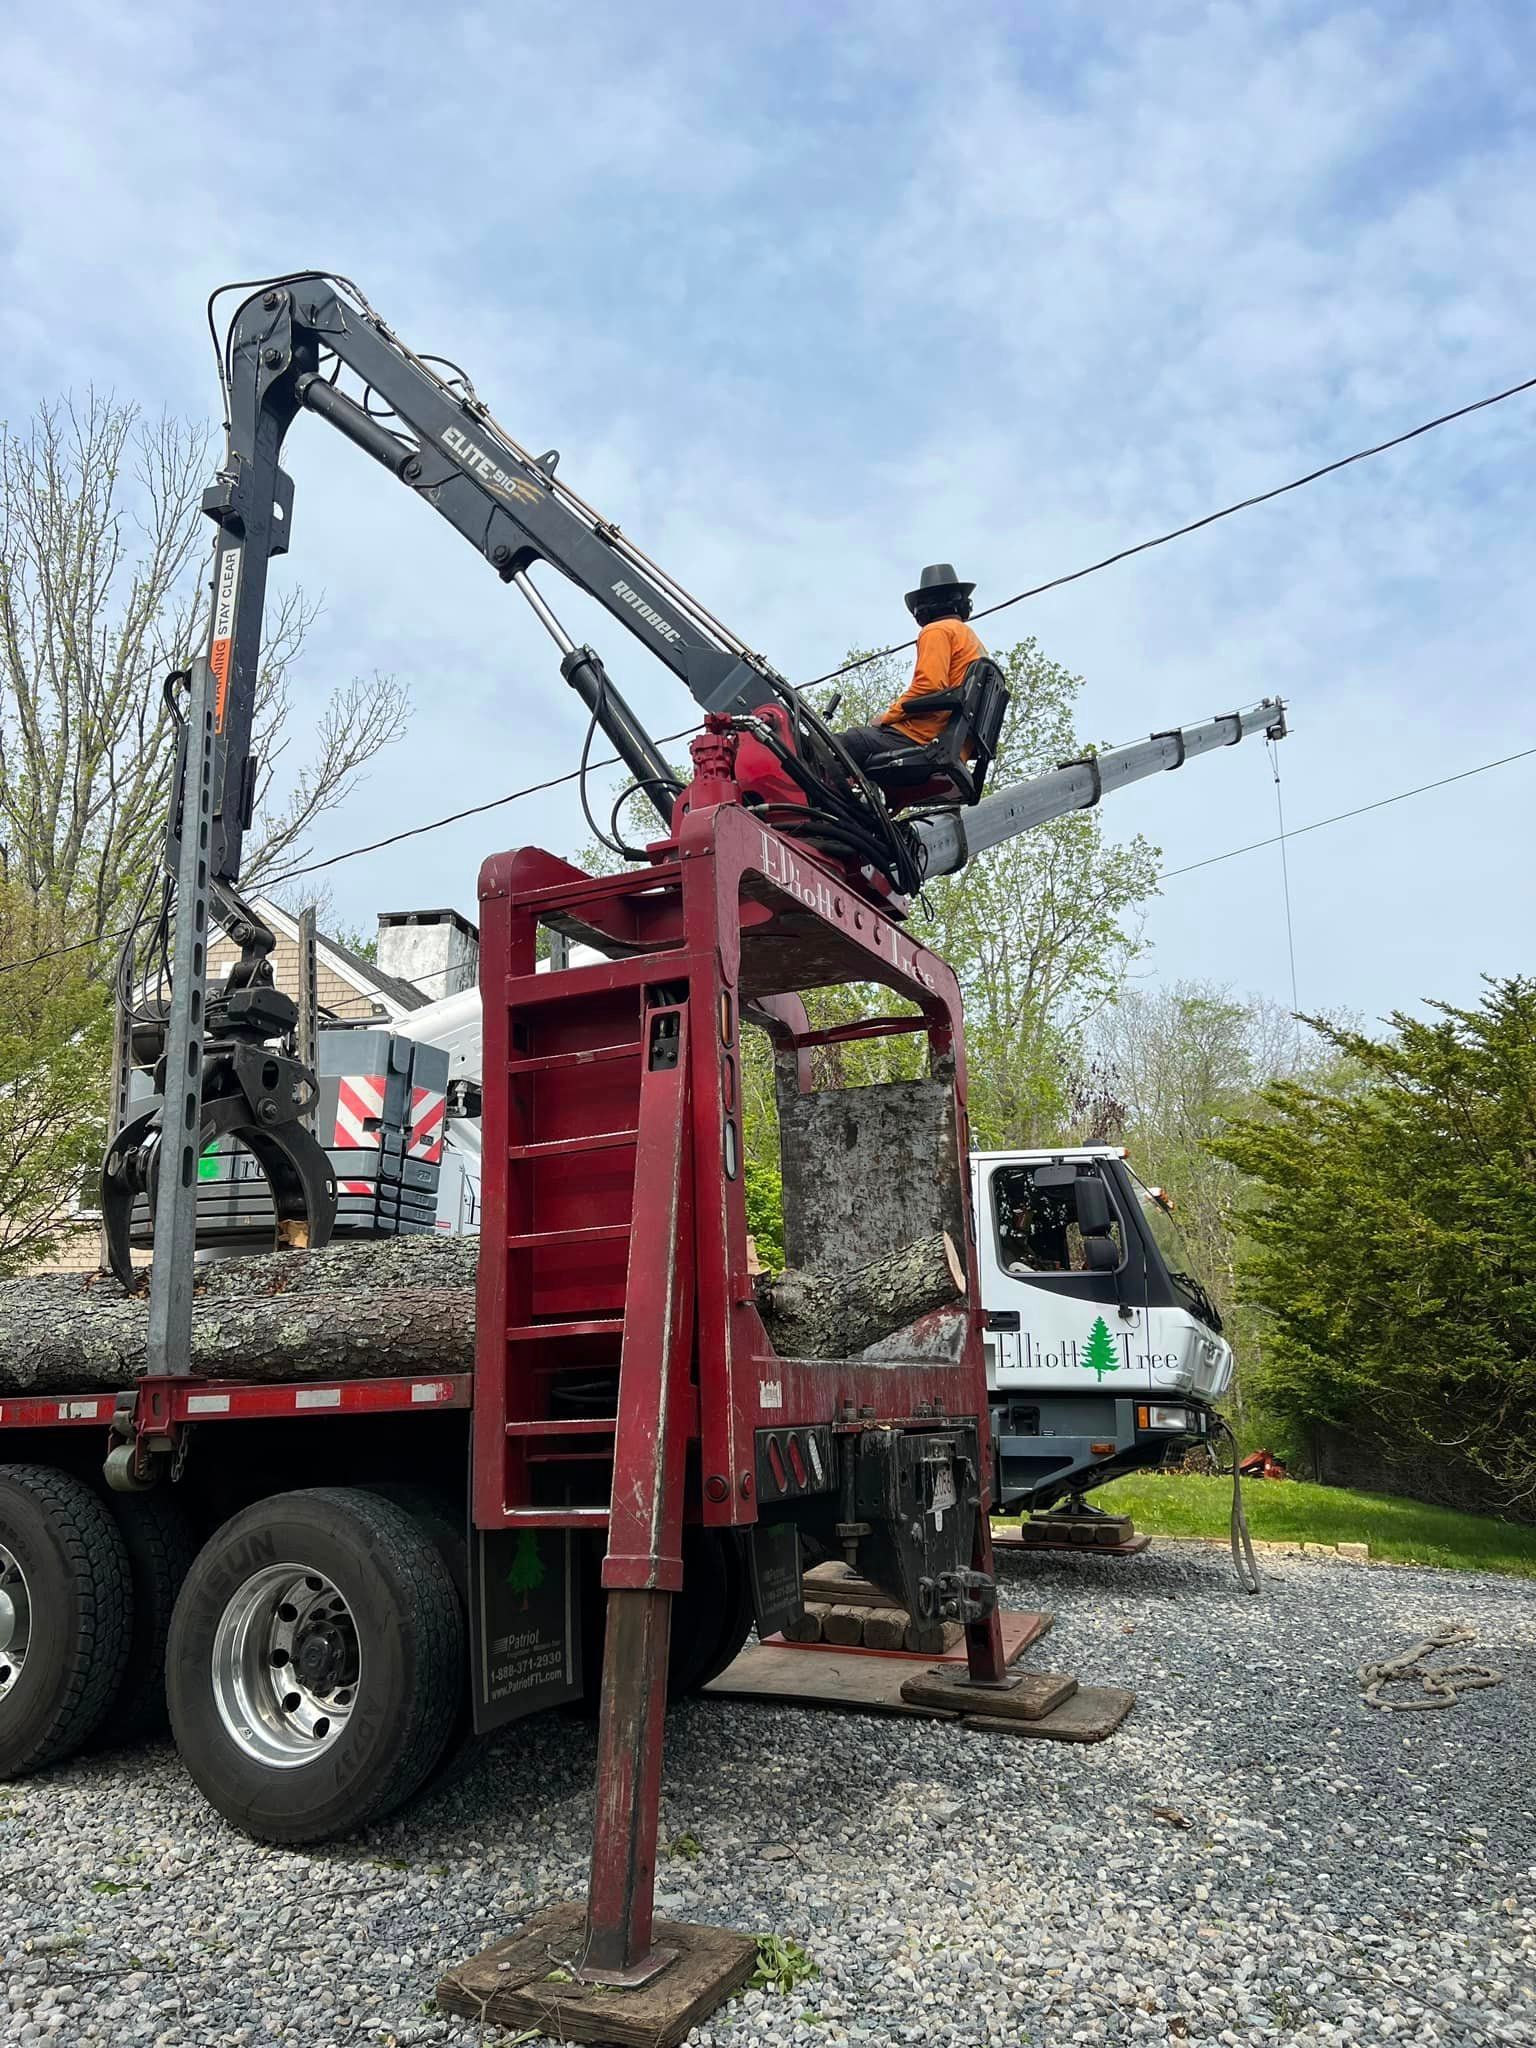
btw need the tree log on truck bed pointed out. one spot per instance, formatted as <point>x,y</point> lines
<point>394,1305</point>
<point>403,1305</point>
<point>836,1315</point>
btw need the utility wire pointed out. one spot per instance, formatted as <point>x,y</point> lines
<point>1381,803</point>
<point>862,661</point>
<point>456,817</point>
<point>1178,532</point>
<point>1212,860</point>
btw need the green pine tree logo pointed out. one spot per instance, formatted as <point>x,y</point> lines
<point>526,1573</point>
<point>1100,1355</point>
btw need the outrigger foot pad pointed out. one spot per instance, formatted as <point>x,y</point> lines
<point>533,1980</point>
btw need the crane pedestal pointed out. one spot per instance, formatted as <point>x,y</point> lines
<point>626,1383</point>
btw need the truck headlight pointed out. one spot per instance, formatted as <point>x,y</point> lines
<point>1153,1416</point>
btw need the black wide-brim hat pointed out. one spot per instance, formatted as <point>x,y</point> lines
<point>938,579</point>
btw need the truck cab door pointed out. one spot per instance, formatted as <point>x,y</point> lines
<point>1054,1321</point>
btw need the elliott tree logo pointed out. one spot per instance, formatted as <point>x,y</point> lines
<point>1100,1354</point>
<point>526,1573</point>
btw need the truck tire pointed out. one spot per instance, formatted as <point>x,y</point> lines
<point>161,1543</point>
<point>316,1664</point>
<point>442,1520</point>
<point>734,1619</point>
<point>66,1610</point>
<point>711,1616</point>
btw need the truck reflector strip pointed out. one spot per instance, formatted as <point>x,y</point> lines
<point>359,1102</point>
<point>225,1401</point>
<point>428,1108</point>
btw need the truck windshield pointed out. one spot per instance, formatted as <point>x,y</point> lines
<point>1170,1242</point>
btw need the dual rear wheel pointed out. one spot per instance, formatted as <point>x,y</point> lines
<point>312,1655</point>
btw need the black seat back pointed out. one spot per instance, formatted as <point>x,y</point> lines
<point>977,707</point>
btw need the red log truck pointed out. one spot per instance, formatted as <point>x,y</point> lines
<point>330,1580</point>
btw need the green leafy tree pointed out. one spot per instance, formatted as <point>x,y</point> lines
<point>526,1573</point>
<point>1100,1354</point>
<point>1177,1064</point>
<point>1394,1232</point>
<point>765,1212</point>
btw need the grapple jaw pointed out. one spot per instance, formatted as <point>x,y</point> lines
<point>259,1098</point>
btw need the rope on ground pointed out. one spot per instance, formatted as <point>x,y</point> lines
<point>1440,1684</point>
<point>1244,1563</point>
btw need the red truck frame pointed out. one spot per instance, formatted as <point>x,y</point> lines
<point>628,1410</point>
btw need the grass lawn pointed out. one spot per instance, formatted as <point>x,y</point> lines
<point>1291,1511</point>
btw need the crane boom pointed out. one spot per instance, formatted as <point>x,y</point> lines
<point>951,838</point>
<point>230,1066</point>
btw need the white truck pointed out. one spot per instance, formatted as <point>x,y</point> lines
<point>1103,1350</point>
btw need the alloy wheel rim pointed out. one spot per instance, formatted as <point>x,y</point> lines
<point>15,1620</point>
<point>286,1666</point>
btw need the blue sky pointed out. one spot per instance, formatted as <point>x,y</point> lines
<point>811,296</point>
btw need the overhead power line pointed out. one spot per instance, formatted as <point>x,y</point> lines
<point>494,803</point>
<point>862,661</point>
<point>1381,803</point>
<point>1160,540</point>
<point>1212,860</point>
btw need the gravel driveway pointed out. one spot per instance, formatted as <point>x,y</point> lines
<point>1321,1873</point>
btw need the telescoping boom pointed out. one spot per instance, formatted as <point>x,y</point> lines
<point>952,838</point>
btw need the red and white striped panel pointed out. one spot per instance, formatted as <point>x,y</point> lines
<point>355,1187</point>
<point>359,1097</point>
<point>428,1110</point>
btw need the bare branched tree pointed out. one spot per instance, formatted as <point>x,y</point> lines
<point>102,593</point>
<point>54,1041</point>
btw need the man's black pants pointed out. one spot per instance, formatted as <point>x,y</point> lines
<point>864,741</point>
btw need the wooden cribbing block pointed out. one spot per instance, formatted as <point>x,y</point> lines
<point>807,1629</point>
<point>1036,1694</point>
<point>885,1628</point>
<point>836,1583</point>
<point>528,1984</point>
<point>843,1626</point>
<point>1092,1712</point>
<point>934,1638</point>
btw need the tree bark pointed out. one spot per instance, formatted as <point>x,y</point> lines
<point>393,1305</point>
<point>836,1315</point>
<point>303,1336</point>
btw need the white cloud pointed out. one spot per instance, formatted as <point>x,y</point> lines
<point>812,298</point>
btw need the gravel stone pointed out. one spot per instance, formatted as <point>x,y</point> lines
<point>1344,1877</point>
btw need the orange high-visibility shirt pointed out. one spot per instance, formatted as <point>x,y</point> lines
<point>945,650</point>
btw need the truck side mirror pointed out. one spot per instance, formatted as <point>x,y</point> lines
<point>1094,1215</point>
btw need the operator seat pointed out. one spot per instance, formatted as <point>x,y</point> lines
<point>952,767</point>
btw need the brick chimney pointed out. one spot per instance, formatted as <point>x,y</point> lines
<point>437,950</point>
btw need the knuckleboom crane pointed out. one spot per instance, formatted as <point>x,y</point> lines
<point>781,867</point>
<point>421,419</point>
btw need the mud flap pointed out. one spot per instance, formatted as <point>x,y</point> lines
<point>524,1623</point>
<point>778,1595</point>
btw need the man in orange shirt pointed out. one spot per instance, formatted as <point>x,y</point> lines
<point>946,647</point>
